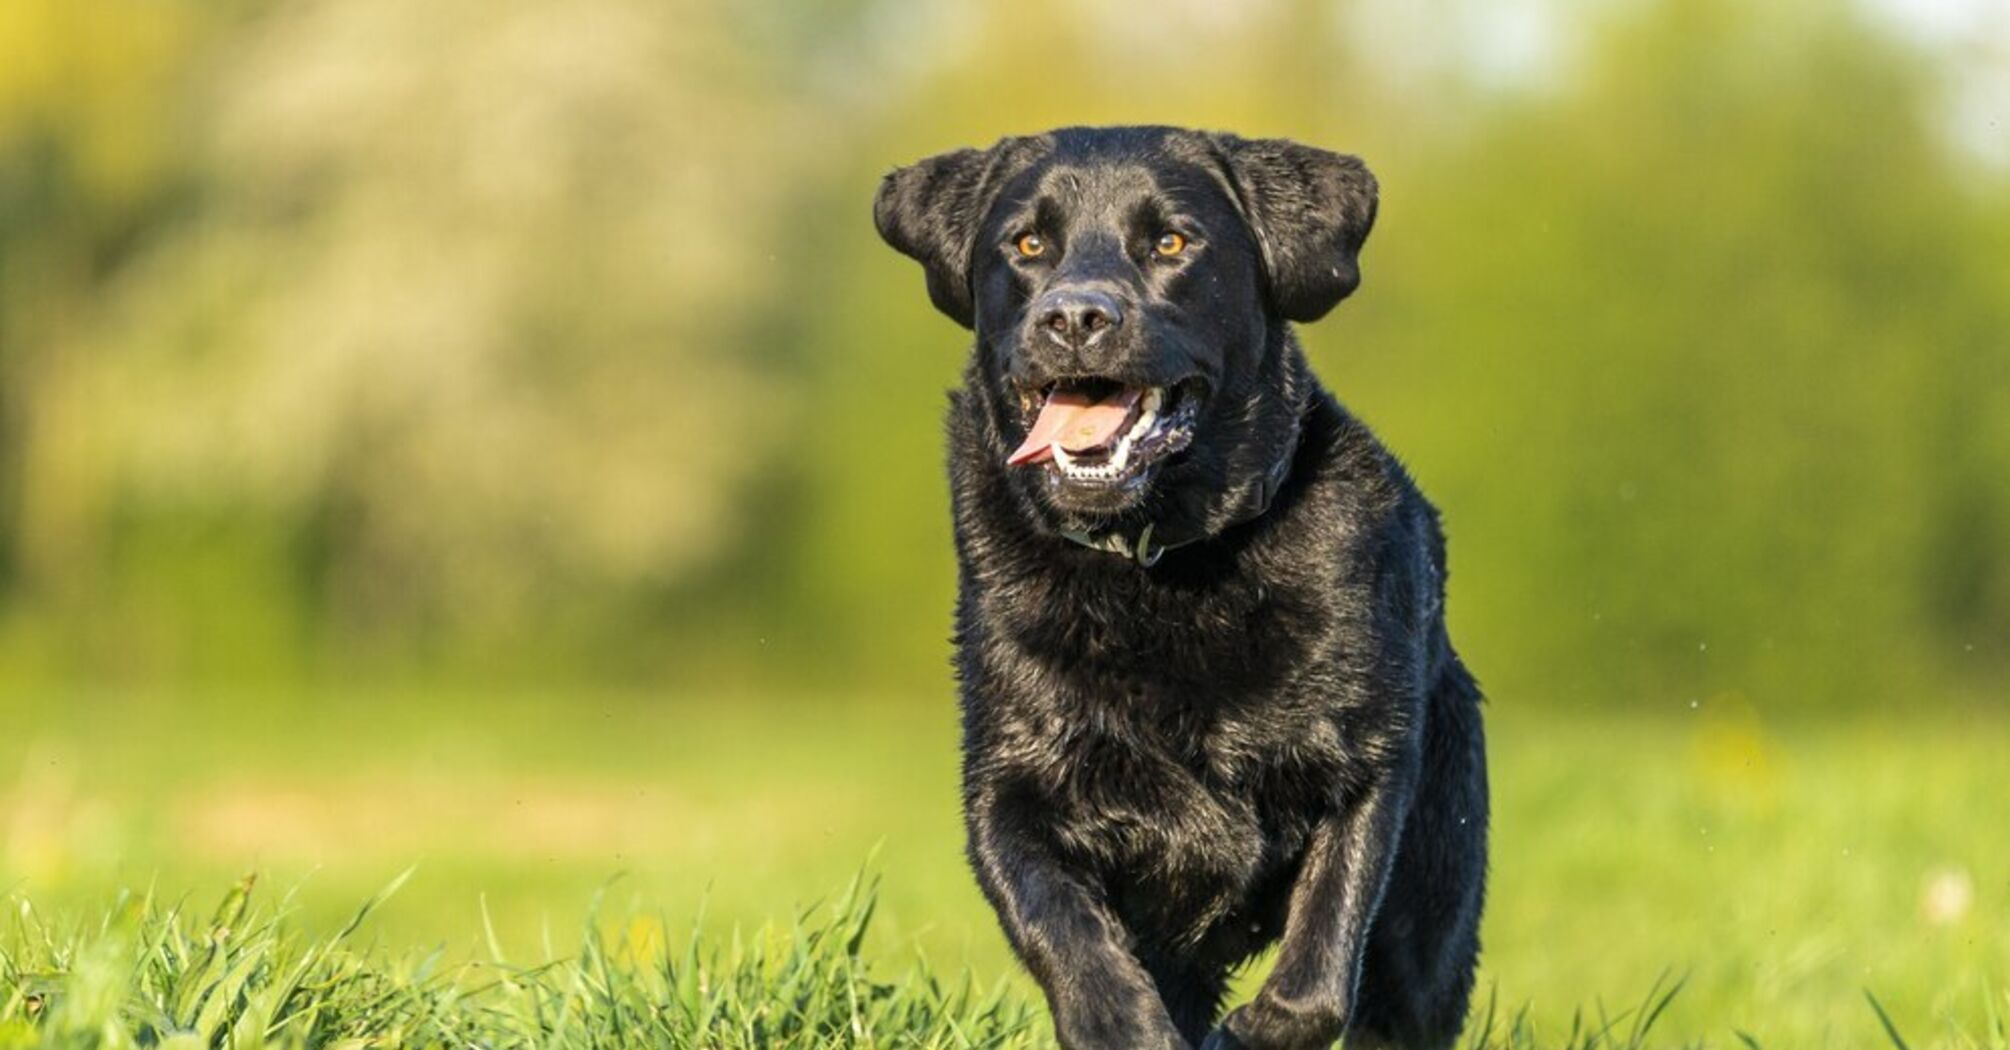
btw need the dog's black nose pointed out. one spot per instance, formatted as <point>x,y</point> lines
<point>1078,317</point>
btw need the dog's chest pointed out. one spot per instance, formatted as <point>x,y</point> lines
<point>1187,813</point>
<point>1181,730</point>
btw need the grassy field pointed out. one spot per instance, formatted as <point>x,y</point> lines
<point>1782,871</point>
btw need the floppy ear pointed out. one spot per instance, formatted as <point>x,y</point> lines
<point>1311,210</point>
<point>930,211</point>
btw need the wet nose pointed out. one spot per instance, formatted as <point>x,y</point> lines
<point>1077,318</point>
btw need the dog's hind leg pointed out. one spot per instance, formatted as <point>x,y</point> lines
<point>1411,1003</point>
<point>1417,978</point>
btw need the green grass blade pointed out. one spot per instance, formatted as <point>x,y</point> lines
<point>1884,1019</point>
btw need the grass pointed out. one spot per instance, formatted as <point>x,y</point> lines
<point>1783,870</point>
<point>148,976</point>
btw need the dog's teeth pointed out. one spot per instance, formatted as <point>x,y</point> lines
<point>1153,398</point>
<point>1108,470</point>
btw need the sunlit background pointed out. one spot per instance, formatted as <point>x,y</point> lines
<point>490,436</point>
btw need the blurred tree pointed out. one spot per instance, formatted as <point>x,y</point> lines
<point>356,326</point>
<point>460,315</point>
<point>1708,340</point>
<point>90,97</point>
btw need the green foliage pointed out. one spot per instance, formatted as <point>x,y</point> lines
<point>450,328</point>
<point>153,976</point>
<point>148,976</point>
<point>1721,350</point>
<point>370,337</point>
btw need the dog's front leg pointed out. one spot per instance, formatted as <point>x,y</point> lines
<point>1308,999</point>
<point>1100,995</point>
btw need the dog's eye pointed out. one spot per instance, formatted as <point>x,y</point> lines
<point>1030,245</point>
<point>1170,244</point>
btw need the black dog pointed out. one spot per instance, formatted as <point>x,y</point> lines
<point>1209,701</point>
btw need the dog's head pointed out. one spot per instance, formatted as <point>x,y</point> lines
<point>1129,289</point>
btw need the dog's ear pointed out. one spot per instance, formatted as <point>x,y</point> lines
<point>930,211</point>
<point>1311,211</point>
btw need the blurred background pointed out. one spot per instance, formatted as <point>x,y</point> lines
<point>492,437</point>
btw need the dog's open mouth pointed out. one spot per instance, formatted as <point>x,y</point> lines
<point>1099,431</point>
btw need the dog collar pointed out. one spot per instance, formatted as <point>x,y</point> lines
<point>1147,552</point>
<point>1144,552</point>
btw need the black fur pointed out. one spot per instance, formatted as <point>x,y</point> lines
<point>1264,737</point>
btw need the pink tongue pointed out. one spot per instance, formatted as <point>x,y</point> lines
<point>1069,419</point>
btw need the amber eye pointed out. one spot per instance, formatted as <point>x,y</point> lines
<point>1170,244</point>
<point>1031,244</point>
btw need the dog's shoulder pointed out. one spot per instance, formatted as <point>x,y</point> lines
<point>1361,519</point>
<point>1359,494</point>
